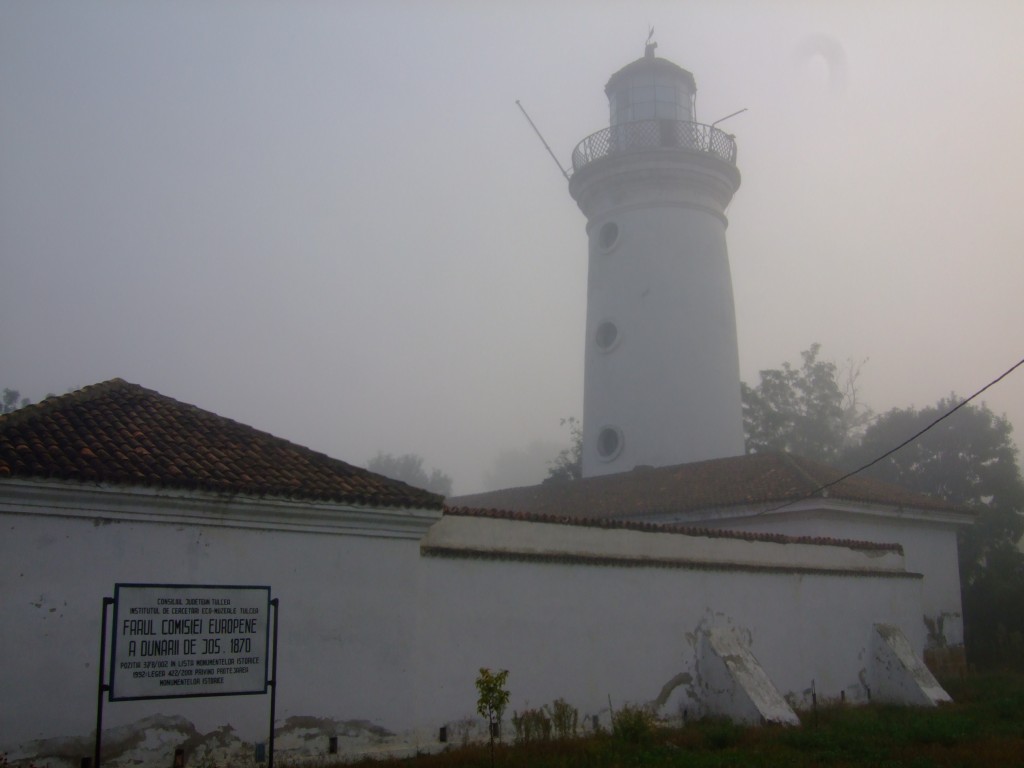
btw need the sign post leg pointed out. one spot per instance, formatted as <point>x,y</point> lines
<point>273,688</point>
<point>102,687</point>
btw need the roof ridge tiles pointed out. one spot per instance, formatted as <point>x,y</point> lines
<point>686,530</point>
<point>748,481</point>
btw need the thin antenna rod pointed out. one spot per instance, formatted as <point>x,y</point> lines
<point>560,168</point>
<point>723,119</point>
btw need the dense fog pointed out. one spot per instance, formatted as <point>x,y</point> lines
<point>330,220</point>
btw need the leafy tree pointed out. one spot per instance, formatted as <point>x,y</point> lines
<point>492,701</point>
<point>811,411</point>
<point>409,469</point>
<point>968,459</point>
<point>993,621</point>
<point>568,465</point>
<point>12,401</point>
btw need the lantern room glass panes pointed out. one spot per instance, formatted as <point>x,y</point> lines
<point>646,96</point>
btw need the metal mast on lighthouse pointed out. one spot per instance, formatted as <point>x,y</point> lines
<point>662,381</point>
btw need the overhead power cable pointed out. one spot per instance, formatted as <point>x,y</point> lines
<point>891,451</point>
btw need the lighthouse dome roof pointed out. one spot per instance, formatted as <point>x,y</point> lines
<point>653,66</point>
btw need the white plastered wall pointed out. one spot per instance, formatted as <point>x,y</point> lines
<point>929,542</point>
<point>373,630</point>
<point>587,631</point>
<point>344,578</point>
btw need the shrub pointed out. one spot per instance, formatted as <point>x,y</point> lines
<point>721,732</point>
<point>493,697</point>
<point>564,717</point>
<point>633,724</point>
<point>492,701</point>
<point>531,725</point>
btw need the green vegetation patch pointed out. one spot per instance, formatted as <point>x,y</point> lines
<point>984,728</point>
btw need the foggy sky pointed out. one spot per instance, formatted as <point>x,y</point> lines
<point>330,221</point>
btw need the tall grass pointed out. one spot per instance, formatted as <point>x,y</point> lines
<point>984,728</point>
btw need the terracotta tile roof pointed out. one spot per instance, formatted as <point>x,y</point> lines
<point>123,434</point>
<point>755,480</point>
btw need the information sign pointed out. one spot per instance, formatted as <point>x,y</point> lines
<point>174,640</point>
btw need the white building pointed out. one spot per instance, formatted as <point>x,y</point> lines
<point>389,605</point>
<point>777,494</point>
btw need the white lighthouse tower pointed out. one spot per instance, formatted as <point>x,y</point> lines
<point>662,382</point>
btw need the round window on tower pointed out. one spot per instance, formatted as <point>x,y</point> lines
<point>609,443</point>
<point>608,236</point>
<point>606,336</point>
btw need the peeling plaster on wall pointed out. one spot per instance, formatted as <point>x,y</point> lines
<point>151,740</point>
<point>707,680</point>
<point>862,675</point>
<point>147,739</point>
<point>302,738</point>
<point>666,690</point>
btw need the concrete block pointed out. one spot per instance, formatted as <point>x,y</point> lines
<point>736,686</point>
<point>898,675</point>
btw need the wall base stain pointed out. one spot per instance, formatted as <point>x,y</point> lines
<point>153,741</point>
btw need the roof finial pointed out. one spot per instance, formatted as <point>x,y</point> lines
<point>649,48</point>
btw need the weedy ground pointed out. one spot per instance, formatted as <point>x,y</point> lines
<point>985,727</point>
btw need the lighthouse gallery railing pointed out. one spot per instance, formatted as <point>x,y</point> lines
<point>654,134</point>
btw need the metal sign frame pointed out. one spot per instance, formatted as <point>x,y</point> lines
<point>184,641</point>
<point>180,613</point>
